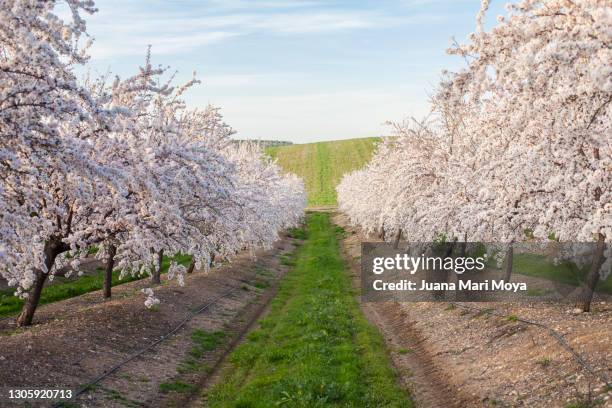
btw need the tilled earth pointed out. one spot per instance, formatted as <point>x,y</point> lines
<point>74,341</point>
<point>474,355</point>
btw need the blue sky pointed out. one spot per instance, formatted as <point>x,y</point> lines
<point>301,70</point>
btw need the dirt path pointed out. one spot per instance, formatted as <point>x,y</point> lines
<point>76,340</point>
<point>449,355</point>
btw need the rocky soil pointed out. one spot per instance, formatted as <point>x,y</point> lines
<point>482,355</point>
<point>79,339</point>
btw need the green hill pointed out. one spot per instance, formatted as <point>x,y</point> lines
<point>323,164</point>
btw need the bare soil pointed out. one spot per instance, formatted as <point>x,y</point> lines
<point>474,355</point>
<point>198,398</point>
<point>77,340</point>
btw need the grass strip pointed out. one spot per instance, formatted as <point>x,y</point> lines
<point>323,164</point>
<point>315,348</point>
<point>67,288</point>
<point>565,272</point>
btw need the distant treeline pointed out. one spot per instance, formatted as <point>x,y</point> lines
<point>265,143</point>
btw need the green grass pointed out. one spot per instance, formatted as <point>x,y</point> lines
<point>314,348</point>
<point>297,233</point>
<point>585,402</point>
<point>118,397</point>
<point>175,386</point>
<point>67,288</point>
<point>544,362</point>
<point>323,164</point>
<point>565,272</point>
<point>203,341</point>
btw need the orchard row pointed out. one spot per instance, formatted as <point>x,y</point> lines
<point>518,145</point>
<point>120,164</point>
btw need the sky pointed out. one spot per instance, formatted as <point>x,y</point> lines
<point>300,70</point>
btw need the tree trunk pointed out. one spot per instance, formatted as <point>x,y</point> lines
<point>53,248</point>
<point>191,267</point>
<point>31,303</point>
<point>450,248</point>
<point>442,275</point>
<point>398,236</point>
<point>447,254</point>
<point>462,295</point>
<point>156,275</point>
<point>584,301</point>
<point>509,260</point>
<point>108,273</point>
<point>463,246</point>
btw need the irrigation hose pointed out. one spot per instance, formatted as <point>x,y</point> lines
<point>140,352</point>
<point>554,334</point>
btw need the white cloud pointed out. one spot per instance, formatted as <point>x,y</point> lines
<point>244,80</point>
<point>127,30</point>
<point>262,4</point>
<point>262,95</point>
<point>162,44</point>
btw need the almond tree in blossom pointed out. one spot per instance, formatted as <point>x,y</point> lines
<point>542,79</point>
<point>51,127</point>
<point>126,166</point>
<point>518,141</point>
